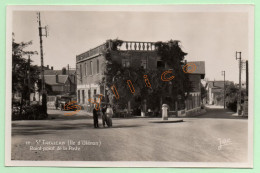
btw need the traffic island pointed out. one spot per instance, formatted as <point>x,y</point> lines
<point>167,121</point>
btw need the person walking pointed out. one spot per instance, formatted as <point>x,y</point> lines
<point>95,118</point>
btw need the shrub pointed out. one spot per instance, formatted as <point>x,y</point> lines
<point>32,112</point>
<point>232,106</point>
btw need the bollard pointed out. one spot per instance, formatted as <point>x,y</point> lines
<point>165,112</point>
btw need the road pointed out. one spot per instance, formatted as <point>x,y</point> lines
<point>196,139</point>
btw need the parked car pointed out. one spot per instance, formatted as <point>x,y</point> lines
<point>65,103</point>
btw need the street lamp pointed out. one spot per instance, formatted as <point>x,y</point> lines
<point>224,74</point>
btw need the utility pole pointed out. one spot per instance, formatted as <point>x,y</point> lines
<point>238,57</point>
<point>246,77</point>
<point>246,100</point>
<point>44,99</point>
<point>224,74</point>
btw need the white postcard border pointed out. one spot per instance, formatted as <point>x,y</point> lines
<point>147,8</point>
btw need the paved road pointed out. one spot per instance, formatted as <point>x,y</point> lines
<point>195,139</point>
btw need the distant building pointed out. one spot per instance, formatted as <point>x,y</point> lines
<point>91,65</point>
<point>48,67</point>
<point>57,83</point>
<point>61,82</point>
<point>215,92</point>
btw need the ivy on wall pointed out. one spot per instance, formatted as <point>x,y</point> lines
<point>116,75</point>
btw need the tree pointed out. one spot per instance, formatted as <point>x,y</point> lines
<point>231,96</point>
<point>23,72</point>
<point>231,92</point>
<point>172,54</point>
<point>116,75</point>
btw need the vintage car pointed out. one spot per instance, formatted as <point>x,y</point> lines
<point>65,103</point>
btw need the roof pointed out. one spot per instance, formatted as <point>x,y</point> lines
<point>51,79</point>
<point>58,72</point>
<point>199,67</point>
<point>218,84</point>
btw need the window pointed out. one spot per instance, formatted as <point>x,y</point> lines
<point>126,62</point>
<point>160,64</point>
<point>144,63</point>
<point>91,68</point>
<point>80,71</point>
<point>97,66</point>
<point>83,96</point>
<point>89,94</point>
<point>86,73</point>
<point>78,96</point>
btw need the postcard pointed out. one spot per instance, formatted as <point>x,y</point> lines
<point>130,86</point>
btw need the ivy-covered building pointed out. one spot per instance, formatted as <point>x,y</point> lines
<point>121,72</point>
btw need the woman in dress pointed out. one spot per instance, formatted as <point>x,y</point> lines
<point>109,113</point>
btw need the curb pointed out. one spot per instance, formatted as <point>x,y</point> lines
<point>167,121</point>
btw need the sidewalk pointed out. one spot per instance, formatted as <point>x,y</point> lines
<point>214,107</point>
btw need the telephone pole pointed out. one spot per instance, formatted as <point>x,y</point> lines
<point>238,57</point>
<point>246,77</point>
<point>224,74</point>
<point>44,99</point>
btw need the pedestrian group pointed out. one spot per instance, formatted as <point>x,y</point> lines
<point>106,114</point>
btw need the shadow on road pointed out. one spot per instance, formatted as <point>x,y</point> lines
<point>125,126</point>
<point>39,128</point>
<point>52,128</point>
<point>219,114</point>
<point>57,117</point>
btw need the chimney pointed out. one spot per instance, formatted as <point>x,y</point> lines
<point>63,71</point>
<point>57,78</point>
<point>68,69</point>
<point>48,67</point>
<point>51,67</point>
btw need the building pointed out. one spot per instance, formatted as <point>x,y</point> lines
<point>57,83</point>
<point>61,82</point>
<point>193,102</point>
<point>91,69</point>
<point>215,92</point>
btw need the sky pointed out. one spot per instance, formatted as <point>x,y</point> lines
<point>213,37</point>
